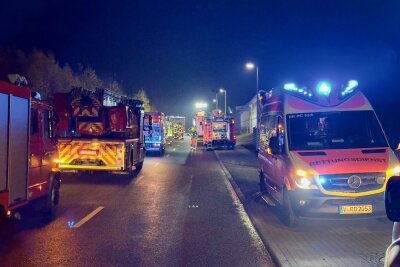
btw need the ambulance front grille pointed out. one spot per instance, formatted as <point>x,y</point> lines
<point>344,182</point>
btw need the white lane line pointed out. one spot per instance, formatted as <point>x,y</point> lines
<point>139,179</point>
<point>88,217</point>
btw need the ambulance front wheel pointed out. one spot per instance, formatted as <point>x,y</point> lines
<point>288,215</point>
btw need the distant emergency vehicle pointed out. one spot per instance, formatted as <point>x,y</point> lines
<point>28,156</point>
<point>323,152</point>
<point>199,126</point>
<point>177,125</point>
<point>154,132</point>
<point>219,132</point>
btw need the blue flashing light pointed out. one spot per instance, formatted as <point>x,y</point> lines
<point>290,86</point>
<point>350,87</point>
<point>71,224</point>
<point>352,84</point>
<point>324,88</point>
<point>322,180</point>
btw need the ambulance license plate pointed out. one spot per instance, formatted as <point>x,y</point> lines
<point>362,209</point>
<point>88,152</point>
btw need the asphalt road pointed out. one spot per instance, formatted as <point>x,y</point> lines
<point>315,242</point>
<point>180,210</point>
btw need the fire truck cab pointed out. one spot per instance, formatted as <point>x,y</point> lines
<point>323,152</point>
<point>28,157</point>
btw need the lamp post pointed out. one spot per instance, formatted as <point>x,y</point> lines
<point>251,66</point>
<point>222,90</point>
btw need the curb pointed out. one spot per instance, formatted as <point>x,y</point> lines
<point>242,199</point>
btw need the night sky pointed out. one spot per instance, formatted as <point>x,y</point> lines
<point>180,51</point>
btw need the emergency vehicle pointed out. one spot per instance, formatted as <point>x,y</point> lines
<point>199,123</point>
<point>323,152</point>
<point>28,156</point>
<point>177,124</point>
<point>154,132</point>
<point>102,131</point>
<point>219,132</point>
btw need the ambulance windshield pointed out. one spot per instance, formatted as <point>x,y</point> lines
<point>334,130</point>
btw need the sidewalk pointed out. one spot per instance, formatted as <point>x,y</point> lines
<point>314,242</point>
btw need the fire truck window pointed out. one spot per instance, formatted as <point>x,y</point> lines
<point>34,122</point>
<point>46,123</point>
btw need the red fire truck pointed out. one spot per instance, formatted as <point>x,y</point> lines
<point>219,132</point>
<point>101,131</point>
<point>28,168</point>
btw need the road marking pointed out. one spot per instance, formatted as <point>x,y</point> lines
<point>156,164</point>
<point>139,179</point>
<point>167,155</point>
<point>88,217</point>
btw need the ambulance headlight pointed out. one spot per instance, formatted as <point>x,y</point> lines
<point>304,179</point>
<point>393,172</point>
<point>305,182</point>
<point>396,170</point>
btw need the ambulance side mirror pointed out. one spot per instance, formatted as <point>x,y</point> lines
<point>392,199</point>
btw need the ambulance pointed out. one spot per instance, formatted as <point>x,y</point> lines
<point>323,152</point>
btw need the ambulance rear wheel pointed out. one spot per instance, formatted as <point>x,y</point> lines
<point>288,216</point>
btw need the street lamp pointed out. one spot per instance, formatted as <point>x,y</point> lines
<point>251,66</point>
<point>222,90</point>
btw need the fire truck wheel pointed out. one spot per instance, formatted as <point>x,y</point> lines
<point>288,215</point>
<point>139,166</point>
<point>52,198</point>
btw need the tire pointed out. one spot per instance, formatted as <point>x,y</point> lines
<point>139,166</point>
<point>51,200</point>
<point>288,215</point>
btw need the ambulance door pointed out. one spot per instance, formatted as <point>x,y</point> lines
<point>280,159</point>
<point>268,160</point>
<point>18,149</point>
